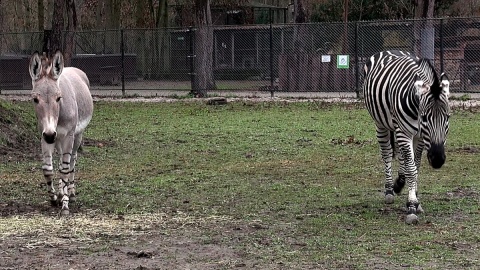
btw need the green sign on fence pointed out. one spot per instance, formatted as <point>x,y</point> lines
<point>343,61</point>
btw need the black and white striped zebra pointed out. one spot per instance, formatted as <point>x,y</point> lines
<point>409,104</point>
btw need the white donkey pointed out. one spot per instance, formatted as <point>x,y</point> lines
<point>64,107</point>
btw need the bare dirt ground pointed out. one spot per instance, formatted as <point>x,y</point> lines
<point>90,241</point>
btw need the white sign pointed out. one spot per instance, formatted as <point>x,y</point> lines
<point>326,59</point>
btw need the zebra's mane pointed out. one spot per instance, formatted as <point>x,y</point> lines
<point>430,76</point>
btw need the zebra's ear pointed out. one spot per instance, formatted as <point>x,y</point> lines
<point>421,86</point>
<point>445,84</point>
<point>57,65</point>
<point>35,67</point>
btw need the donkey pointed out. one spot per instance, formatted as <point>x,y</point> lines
<point>64,107</point>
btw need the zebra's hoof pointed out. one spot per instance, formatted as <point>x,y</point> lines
<point>65,212</point>
<point>72,198</point>
<point>389,198</point>
<point>411,219</point>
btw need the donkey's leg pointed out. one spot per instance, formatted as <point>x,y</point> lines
<point>47,167</point>
<point>71,183</point>
<point>383,137</point>
<point>66,145</point>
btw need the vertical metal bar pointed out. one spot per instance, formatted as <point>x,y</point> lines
<point>357,75</point>
<point>441,46</point>
<point>192,67</point>
<point>122,50</point>
<point>232,45</point>
<point>271,53</point>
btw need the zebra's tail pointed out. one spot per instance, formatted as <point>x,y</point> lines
<point>392,143</point>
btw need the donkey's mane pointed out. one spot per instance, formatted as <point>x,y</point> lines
<point>46,65</point>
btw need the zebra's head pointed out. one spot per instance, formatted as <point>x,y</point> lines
<point>434,112</point>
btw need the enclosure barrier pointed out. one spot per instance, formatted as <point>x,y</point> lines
<point>316,57</point>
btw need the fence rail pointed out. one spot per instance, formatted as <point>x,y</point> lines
<point>317,57</point>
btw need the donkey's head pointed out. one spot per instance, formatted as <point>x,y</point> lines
<point>434,116</point>
<point>46,94</point>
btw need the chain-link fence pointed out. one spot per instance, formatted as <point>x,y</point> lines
<point>319,57</point>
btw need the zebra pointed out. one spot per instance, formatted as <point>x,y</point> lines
<point>410,108</point>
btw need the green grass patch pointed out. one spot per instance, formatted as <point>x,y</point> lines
<point>307,175</point>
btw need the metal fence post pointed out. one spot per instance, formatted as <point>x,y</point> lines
<point>191,56</point>
<point>441,46</point>
<point>122,51</point>
<point>356,61</point>
<point>271,54</point>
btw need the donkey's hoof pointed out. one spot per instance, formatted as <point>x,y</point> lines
<point>389,198</point>
<point>420,209</point>
<point>65,213</point>
<point>411,219</point>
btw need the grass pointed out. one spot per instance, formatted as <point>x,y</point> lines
<point>301,181</point>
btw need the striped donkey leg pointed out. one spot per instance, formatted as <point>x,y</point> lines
<point>47,167</point>
<point>71,183</point>
<point>63,183</point>
<point>383,137</point>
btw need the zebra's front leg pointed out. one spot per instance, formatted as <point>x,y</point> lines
<point>383,137</point>
<point>411,179</point>
<point>47,168</point>
<point>418,144</point>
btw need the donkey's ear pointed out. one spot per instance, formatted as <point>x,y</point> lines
<point>57,65</point>
<point>421,86</point>
<point>35,67</point>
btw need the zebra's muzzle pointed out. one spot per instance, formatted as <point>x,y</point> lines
<point>436,155</point>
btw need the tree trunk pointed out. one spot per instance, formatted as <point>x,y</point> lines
<point>424,32</point>
<point>71,28</point>
<point>112,13</point>
<point>58,24</point>
<point>40,16</point>
<point>162,47</point>
<point>203,49</point>
<point>1,17</point>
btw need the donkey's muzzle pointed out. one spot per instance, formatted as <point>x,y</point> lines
<point>49,137</point>
<point>436,155</point>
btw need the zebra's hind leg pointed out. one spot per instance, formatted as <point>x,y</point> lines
<point>399,183</point>
<point>384,140</point>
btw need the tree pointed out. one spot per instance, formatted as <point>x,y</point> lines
<point>424,32</point>
<point>71,28</point>
<point>58,25</point>
<point>203,40</point>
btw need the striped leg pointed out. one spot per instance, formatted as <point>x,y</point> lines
<point>406,147</point>
<point>71,183</point>
<point>383,137</point>
<point>47,167</point>
<point>400,180</point>
<point>419,144</point>
<point>63,182</point>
